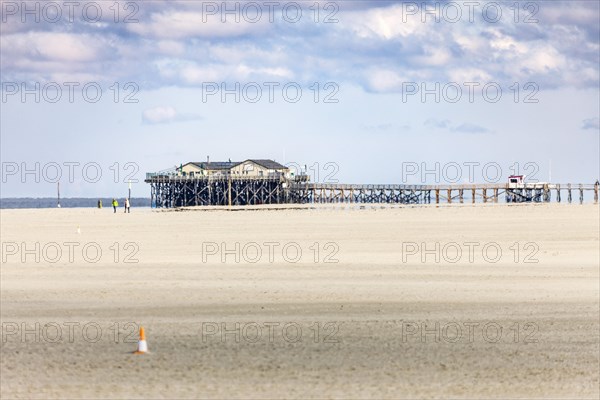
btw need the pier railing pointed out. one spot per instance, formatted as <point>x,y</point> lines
<point>153,177</point>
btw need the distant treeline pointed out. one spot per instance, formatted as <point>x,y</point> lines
<point>72,202</point>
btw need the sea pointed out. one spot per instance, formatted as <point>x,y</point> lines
<point>69,202</point>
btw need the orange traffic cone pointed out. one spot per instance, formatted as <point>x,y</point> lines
<point>142,345</point>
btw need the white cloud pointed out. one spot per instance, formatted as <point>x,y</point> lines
<point>55,46</point>
<point>434,56</point>
<point>180,24</point>
<point>375,45</point>
<point>543,59</point>
<point>193,74</point>
<point>385,80</point>
<point>385,22</point>
<point>463,75</point>
<point>170,47</point>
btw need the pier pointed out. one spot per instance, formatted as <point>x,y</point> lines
<point>426,194</point>
<point>171,191</point>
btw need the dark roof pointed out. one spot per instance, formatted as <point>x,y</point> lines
<point>269,164</point>
<point>216,165</point>
<point>220,165</point>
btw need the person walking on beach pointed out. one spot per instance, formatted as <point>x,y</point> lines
<point>99,203</point>
<point>127,209</point>
<point>115,204</point>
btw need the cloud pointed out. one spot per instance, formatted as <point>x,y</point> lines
<point>591,124</point>
<point>165,115</point>
<point>447,125</point>
<point>434,123</point>
<point>381,80</point>
<point>173,43</point>
<point>195,74</point>
<point>42,47</point>
<point>179,24</point>
<point>470,128</point>
<point>171,47</point>
<point>377,127</point>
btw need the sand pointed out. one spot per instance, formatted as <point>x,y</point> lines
<point>364,316</point>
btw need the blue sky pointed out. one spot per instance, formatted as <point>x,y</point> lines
<point>370,62</point>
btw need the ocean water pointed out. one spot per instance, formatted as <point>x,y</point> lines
<point>73,202</point>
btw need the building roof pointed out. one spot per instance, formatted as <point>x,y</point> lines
<point>224,165</point>
<point>216,165</point>
<point>269,164</point>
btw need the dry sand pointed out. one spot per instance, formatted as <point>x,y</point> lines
<point>361,319</point>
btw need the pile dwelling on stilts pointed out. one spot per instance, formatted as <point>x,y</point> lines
<point>254,182</point>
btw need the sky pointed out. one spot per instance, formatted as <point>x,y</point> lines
<point>95,94</point>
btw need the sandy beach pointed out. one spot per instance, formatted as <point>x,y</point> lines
<point>484,301</point>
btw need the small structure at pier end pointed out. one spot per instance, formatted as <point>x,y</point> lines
<point>260,181</point>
